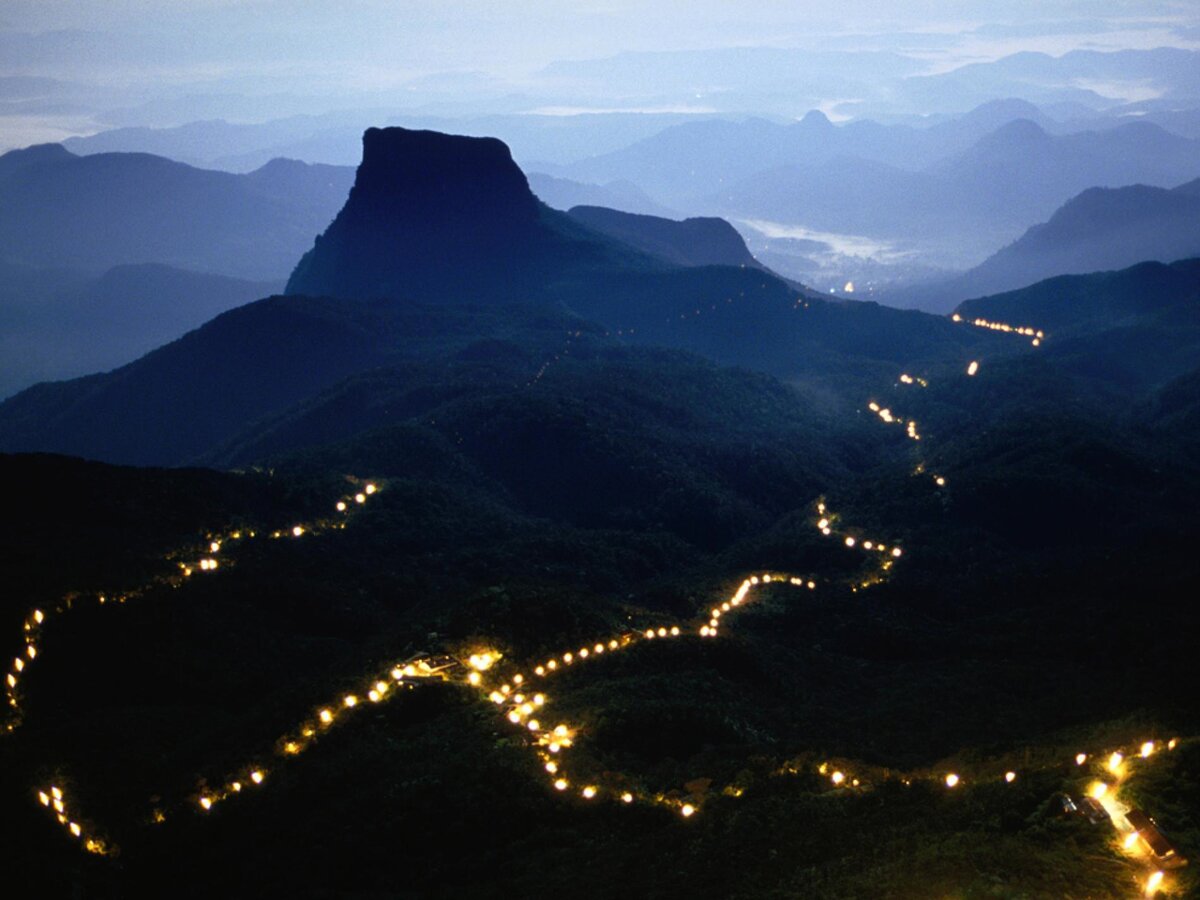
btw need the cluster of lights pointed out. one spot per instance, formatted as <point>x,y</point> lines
<point>887,417</point>
<point>1036,334</point>
<point>1113,769</point>
<point>53,799</point>
<point>905,378</point>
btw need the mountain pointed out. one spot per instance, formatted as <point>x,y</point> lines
<point>1100,229</point>
<point>960,208</point>
<point>63,324</point>
<point>562,194</point>
<point>690,242</point>
<point>436,217</point>
<point>1076,304</point>
<point>95,212</point>
<point>441,244</point>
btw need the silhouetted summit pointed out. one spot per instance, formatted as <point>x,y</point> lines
<point>441,217</point>
<point>697,241</point>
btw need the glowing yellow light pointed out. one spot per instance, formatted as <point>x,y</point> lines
<point>1010,777</point>
<point>973,367</point>
<point>370,489</point>
<point>360,498</point>
<point>674,630</point>
<point>1154,883</point>
<point>1098,789</point>
<point>560,784</point>
<point>206,803</point>
<point>517,679</point>
<point>849,542</point>
<point>43,798</point>
<point>12,680</point>
<point>256,777</point>
<point>568,658</point>
<point>539,699</point>
<point>896,551</point>
<point>1080,759</point>
<point>540,670</point>
<point>837,777</point>
<point>291,748</point>
<point>649,632</point>
<point>326,716</point>
<point>589,792</point>
<point>552,767</point>
<point>58,805</point>
<point>514,717</point>
<point>39,616</point>
<point>214,547</point>
<point>940,481</point>
<point>350,700</point>
<point>75,829</point>
<point>1147,748</point>
<point>237,787</point>
<point>474,678</point>
<point>373,696</point>
<point>1130,841</point>
<point>561,730</point>
<point>1172,743</point>
<point>687,810</point>
<point>534,725</point>
<point>341,506</point>
<point>627,797</point>
<point>951,780</point>
<point>31,651</point>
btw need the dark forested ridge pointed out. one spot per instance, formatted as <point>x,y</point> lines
<point>489,435</point>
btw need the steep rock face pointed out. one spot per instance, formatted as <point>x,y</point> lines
<point>438,217</point>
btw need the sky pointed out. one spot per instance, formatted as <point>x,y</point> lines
<point>126,55</point>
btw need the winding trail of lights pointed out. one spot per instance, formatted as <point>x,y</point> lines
<point>518,694</point>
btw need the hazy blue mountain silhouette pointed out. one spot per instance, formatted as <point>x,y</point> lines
<point>95,212</point>
<point>698,241</point>
<point>1100,229</point>
<point>987,194</point>
<point>563,194</point>
<point>60,324</point>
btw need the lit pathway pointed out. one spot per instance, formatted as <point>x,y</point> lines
<point>519,694</point>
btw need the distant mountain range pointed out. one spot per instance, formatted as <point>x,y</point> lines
<point>1005,181</point>
<point>1101,229</point>
<point>95,212</point>
<point>436,232</point>
<point>60,324</point>
<point>562,193</point>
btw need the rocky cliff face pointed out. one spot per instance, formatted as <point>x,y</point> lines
<point>432,217</point>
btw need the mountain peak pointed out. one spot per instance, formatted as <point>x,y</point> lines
<point>427,176</point>
<point>815,119</point>
<point>427,209</point>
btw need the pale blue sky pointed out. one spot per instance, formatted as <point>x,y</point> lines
<point>128,61</point>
